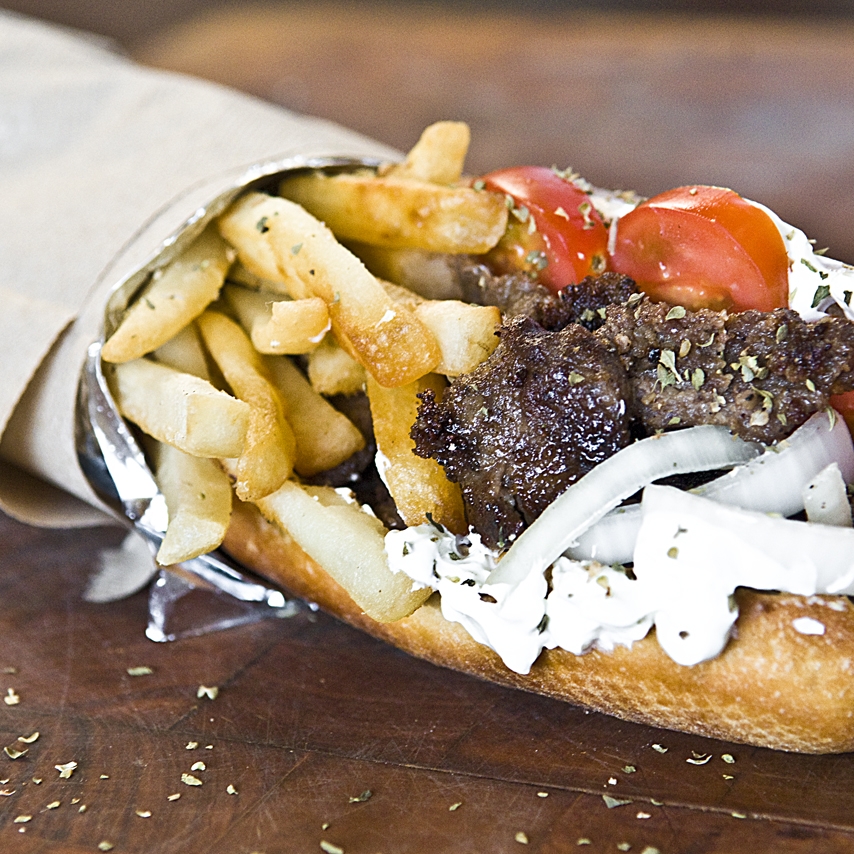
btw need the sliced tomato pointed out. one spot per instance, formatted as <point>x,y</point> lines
<point>703,247</point>
<point>554,233</point>
<point>844,405</point>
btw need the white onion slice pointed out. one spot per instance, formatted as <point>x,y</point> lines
<point>773,482</point>
<point>826,498</point>
<point>692,553</point>
<point>585,502</point>
<point>612,539</point>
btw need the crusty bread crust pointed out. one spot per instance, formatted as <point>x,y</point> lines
<point>771,687</point>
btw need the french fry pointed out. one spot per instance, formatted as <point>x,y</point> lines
<point>438,156</point>
<point>417,485</point>
<point>325,437</point>
<point>348,543</point>
<point>175,296</point>
<point>428,274</point>
<point>268,457</point>
<point>180,409</point>
<point>331,370</point>
<point>402,296</point>
<point>390,342</point>
<point>279,326</point>
<point>465,333</point>
<point>241,275</point>
<point>400,212</point>
<point>198,498</point>
<point>184,352</point>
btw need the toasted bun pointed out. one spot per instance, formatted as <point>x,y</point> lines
<point>771,687</point>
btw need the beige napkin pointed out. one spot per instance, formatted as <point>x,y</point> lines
<point>100,161</point>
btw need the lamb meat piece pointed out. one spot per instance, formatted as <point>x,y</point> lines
<point>761,374</point>
<point>514,293</point>
<point>518,294</point>
<point>587,302</point>
<point>542,411</point>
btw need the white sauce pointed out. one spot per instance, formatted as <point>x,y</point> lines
<point>808,626</point>
<point>808,272</point>
<point>677,584</point>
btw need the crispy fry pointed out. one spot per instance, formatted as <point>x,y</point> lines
<point>279,326</point>
<point>258,260</point>
<point>417,485</point>
<point>184,352</point>
<point>390,342</point>
<point>270,446</point>
<point>241,275</point>
<point>180,409</point>
<point>198,497</point>
<point>438,156</point>
<point>174,297</point>
<point>348,543</point>
<point>465,333</point>
<point>428,274</point>
<point>400,212</point>
<point>325,437</point>
<point>331,370</point>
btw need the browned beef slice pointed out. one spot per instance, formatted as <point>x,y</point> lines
<point>518,430</point>
<point>518,294</point>
<point>759,374</point>
<point>587,302</point>
<point>513,293</point>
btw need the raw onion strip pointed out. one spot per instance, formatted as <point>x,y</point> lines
<point>702,448</point>
<point>772,482</point>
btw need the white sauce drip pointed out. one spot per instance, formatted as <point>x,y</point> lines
<point>808,626</point>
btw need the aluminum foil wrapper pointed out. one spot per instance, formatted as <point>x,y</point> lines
<point>101,163</point>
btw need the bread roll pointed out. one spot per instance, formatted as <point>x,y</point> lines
<point>771,687</point>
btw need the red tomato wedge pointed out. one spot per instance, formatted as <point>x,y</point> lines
<point>554,233</point>
<point>844,405</point>
<point>704,247</point>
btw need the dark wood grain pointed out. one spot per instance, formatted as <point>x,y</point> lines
<point>311,714</point>
<point>631,101</point>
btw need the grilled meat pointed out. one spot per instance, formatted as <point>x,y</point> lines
<point>518,430</point>
<point>761,374</point>
<point>552,402</point>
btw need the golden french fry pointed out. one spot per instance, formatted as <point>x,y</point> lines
<point>332,370</point>
<point>400,212</point>
<point>268,457</point>
<point>417,485</point>
<point>465,333</point>
<point>184,352</point>
<point>175,296</point>
<point>438,156</point>
<point>348,543</point>
<point>180,409</point>
<point>325,437</point>
<point>389,341</point>
<point>242,275</point>
<point>402,296</point>
<point>428,274</point>
<point>260,259</point>
<point>279,326</point>
<point>198,498</point>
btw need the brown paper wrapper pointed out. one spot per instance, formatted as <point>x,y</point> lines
<point>102,161</point>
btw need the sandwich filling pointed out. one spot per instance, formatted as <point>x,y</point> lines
<point>570,441</point>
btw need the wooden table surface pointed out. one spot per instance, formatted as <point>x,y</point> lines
<point>320,738</point>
